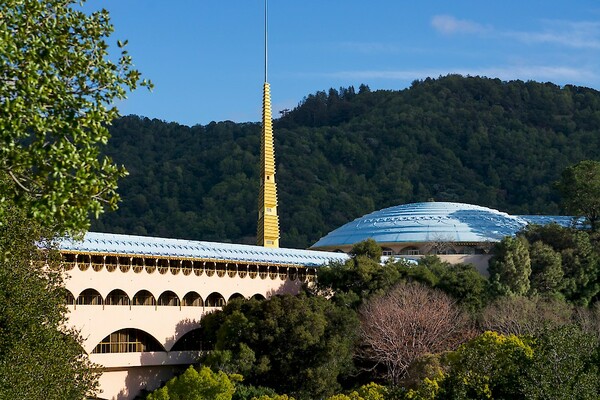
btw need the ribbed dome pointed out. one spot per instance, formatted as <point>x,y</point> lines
<point>426,222</point>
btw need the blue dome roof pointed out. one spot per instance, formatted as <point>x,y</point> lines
<point>426,222</point>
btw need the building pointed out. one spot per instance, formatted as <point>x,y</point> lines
<point>456,232</point>
<point>137,301</point>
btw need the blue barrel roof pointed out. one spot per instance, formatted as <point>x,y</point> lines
<point>431,222</point>
<point>110,243</point>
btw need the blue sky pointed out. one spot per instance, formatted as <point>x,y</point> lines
<point>205,57</point>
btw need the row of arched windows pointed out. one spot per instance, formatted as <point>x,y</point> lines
<point>118,297</point>
<point>186,267</point>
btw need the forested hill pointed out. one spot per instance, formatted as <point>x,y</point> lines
<point>343,153</point>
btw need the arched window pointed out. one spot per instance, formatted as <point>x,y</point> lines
<point>117,297</point>
<point>215,300</point>
<point>192,299</point>
<point>70,299</point>
<point>144,298</point>
<point>89,297</point>
<point>258,296</point>
<point>410,251</point>
<point>191,341</point>
<point>168,298</point>
<point>128,341</point>
<point>386,251</point>
<point>235,296</point>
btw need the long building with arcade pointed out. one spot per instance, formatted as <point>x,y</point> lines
<point>138,301</point>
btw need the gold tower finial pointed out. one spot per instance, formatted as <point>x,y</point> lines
<point>268,220</point>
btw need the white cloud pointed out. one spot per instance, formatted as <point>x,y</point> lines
<point>448,25</point>
<point>580,34</point>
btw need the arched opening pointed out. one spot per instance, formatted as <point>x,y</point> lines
<point>386,251</point>
<point>191,341</point>
<point>124,264</point>
<point>263,271</point>
<point>210,268</point>
<point>221,269</point>
<point>186,267</point>
<point>410,251</point>
<point>137,264</point>
<point>215,300</point>
<point>83,261</point>
<point>175,266</point>
<point>97,262</point>
<point>68,261</point>
<point>232,270</point>
<point>293,273</point>
<point>163,266</point>
<point>111,263</point>
<point>128,341</point>
<point>283,272</point>
<point>258,297</point>
<point>311,274</point>
<point>69,298</point>
<point>89,297</point>
<point>302,274</point>
<point>235,296</point>
<point>243,271</point>
<point>192,299</point>
<point>144,298</point>
<point>150,265</point>
<point>168,298</point>
<point>252,271</point>
<point>117,297</point>
<point>272,272</point>
<point>198,267</point>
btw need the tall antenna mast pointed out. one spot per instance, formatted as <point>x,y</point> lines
<point>266,42</point>
<point>268,221</point>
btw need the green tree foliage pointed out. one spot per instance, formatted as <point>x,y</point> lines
<point>359,278</point>
<point>299,345</point>
<point>510,267</point>
<point>461,281</point>
<point>580,261</point>
<point>368,248</point>
<point>564,366</point>
<point>487,367</point>
<point>579,186</point>
<point>57,86</point>
<point>195,384</point>
<point>39,357</point>
<point>546,270</point>
<point>474,140</point>
<point>370,391</point>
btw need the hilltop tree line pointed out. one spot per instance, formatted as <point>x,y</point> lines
<point>343,153</point>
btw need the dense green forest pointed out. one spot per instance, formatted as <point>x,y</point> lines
<point>343,153</point>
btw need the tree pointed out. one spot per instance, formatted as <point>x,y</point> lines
<point>299,345</point>
<point>579,186</point>
<point>510,267</point>
<point>546,270</point>
<point>487,367</point>
<point>368,248</point>
<point>564,366</point>
<point>518,315</point>
<point>460,281</point>
<point>39,357</point>
<point>196,385</point>
<point>57,86</point>
<point>408,322</point>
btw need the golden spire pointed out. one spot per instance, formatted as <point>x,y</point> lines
<point>268,220</point>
